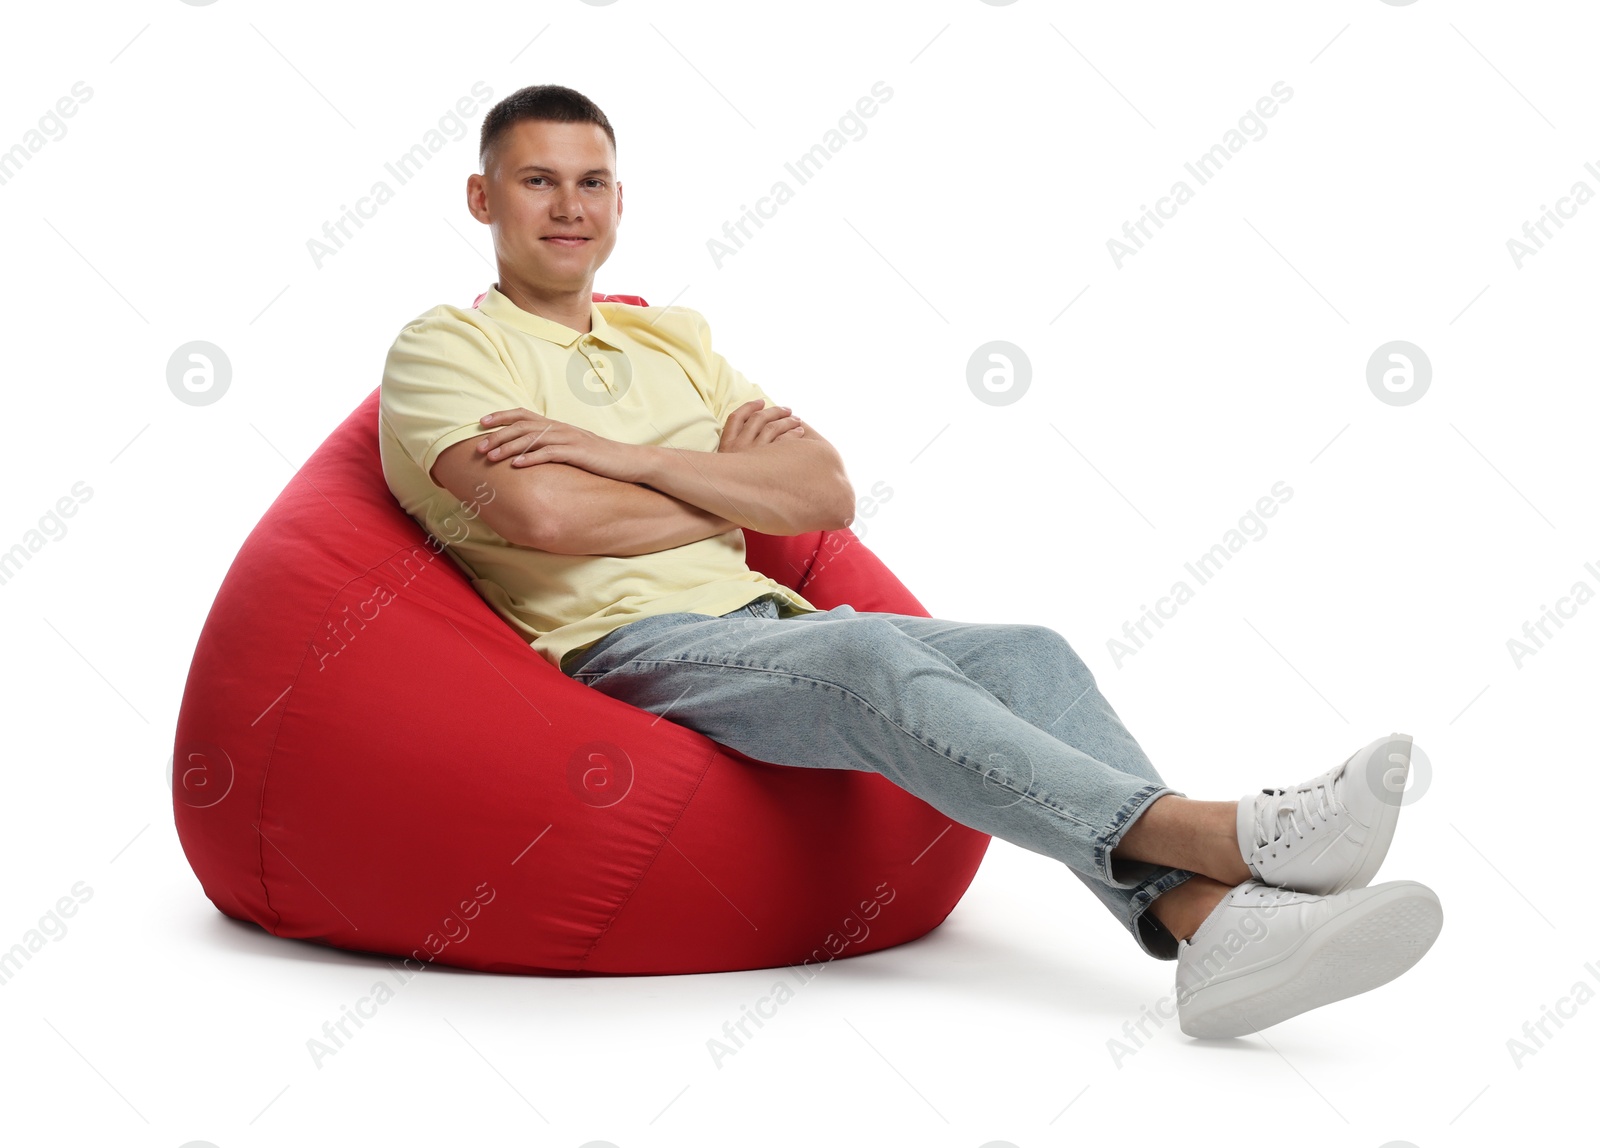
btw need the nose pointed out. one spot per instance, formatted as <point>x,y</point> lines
<point>568,204</point>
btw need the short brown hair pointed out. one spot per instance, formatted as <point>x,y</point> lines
<point>540,102</point>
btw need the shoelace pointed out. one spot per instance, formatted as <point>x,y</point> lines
<point>1296,809</point>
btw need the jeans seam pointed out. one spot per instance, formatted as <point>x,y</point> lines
<point>588,654</point>
<point>865,704</point>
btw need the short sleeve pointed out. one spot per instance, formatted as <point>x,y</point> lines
<point>441,377</point>
<point>729,389</point>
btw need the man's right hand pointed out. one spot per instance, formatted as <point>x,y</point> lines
<point>751,426</point>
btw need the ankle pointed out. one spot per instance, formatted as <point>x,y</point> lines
<point>1183,907</point>
<point>1224,860</point>
<point>1184,833</point>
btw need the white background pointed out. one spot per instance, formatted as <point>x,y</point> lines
<point>1165,400</point>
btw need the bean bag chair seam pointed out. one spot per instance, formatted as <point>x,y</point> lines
<point>272,749</point>
<point>811,564</point>
<point>261,802</point>
<point>711,757</point>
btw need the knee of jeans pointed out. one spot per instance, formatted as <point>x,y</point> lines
<point>1051,644</point>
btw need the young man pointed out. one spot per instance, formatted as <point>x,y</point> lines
<point>591,465</point>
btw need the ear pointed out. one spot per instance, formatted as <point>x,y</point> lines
<point>477,198</point>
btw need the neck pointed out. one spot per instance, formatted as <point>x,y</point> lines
<point>569,308</point>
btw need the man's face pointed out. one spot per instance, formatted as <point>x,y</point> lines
<point>552,181</point>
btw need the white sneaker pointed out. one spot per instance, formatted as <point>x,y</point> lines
<point>1331,833</point>
<point>1266,954</point>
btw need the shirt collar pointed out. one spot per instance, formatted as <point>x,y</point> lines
<point>499,307</point>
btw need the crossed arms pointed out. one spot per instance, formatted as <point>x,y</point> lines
<point>565,490</point>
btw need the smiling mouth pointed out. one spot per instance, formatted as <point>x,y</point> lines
<point>566,240</point>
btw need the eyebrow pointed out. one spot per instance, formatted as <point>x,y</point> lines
<point>606,171</point>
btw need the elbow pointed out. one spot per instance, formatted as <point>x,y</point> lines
<point>542,529</point>
<point>845,504</point>
<point>840,510</point>
<point>804,520</point>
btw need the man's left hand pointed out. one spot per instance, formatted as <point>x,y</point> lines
<point>526,439</point>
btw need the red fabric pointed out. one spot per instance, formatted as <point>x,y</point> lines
<point>368,757</point>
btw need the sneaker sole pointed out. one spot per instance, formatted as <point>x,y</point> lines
<point>1383,831</point>
<point>1368,945</point>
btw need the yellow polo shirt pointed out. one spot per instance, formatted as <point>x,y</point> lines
<point>642,375</point>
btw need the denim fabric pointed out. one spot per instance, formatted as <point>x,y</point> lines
<point>998,726</point>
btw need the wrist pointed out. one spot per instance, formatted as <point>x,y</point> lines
<point>643,464</point>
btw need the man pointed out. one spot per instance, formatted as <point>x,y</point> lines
<point>591,466</point>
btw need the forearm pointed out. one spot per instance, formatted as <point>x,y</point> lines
<point>605,516</point>
<point>783,488</point>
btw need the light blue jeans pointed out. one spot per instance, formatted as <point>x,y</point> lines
<point>1000,727</point>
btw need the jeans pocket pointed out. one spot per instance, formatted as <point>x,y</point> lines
<point>766,606</point>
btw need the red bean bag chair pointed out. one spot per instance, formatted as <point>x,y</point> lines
<point>368,757</point>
